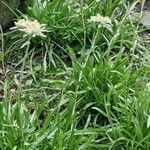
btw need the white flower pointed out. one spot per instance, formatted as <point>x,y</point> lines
<point>100,19</point>
<point>20,23</point>
<point>30,28</point>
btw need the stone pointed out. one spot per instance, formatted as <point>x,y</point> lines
<point>146,18</point>
<point>6,11</point>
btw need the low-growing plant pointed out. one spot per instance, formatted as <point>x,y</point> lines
<point>84,82</point>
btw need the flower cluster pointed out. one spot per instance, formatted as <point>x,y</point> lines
<point>100,19</point>
<point>30,28</point>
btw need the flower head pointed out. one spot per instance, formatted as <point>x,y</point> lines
<point>30,28</point>
<point>100,19</point>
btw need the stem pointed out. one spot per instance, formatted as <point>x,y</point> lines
<point>2,41</point>
<point>23,67</point>
<point>142,6</point>
<point>84,42</point>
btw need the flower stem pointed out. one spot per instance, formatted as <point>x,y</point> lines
<point>23,67</point>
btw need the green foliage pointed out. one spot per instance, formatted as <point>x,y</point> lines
<point>83,87</point>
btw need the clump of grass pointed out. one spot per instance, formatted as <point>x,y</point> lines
<point>84,86</point>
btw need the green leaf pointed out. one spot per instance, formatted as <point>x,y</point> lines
<point>1,56</point>
<point>38,68</point>
<point>148,122</point>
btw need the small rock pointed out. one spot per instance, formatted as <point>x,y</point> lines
<point>146,18</point>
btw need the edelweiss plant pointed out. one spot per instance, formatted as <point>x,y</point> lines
<point>30,28</point>
<point>100,19</point>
